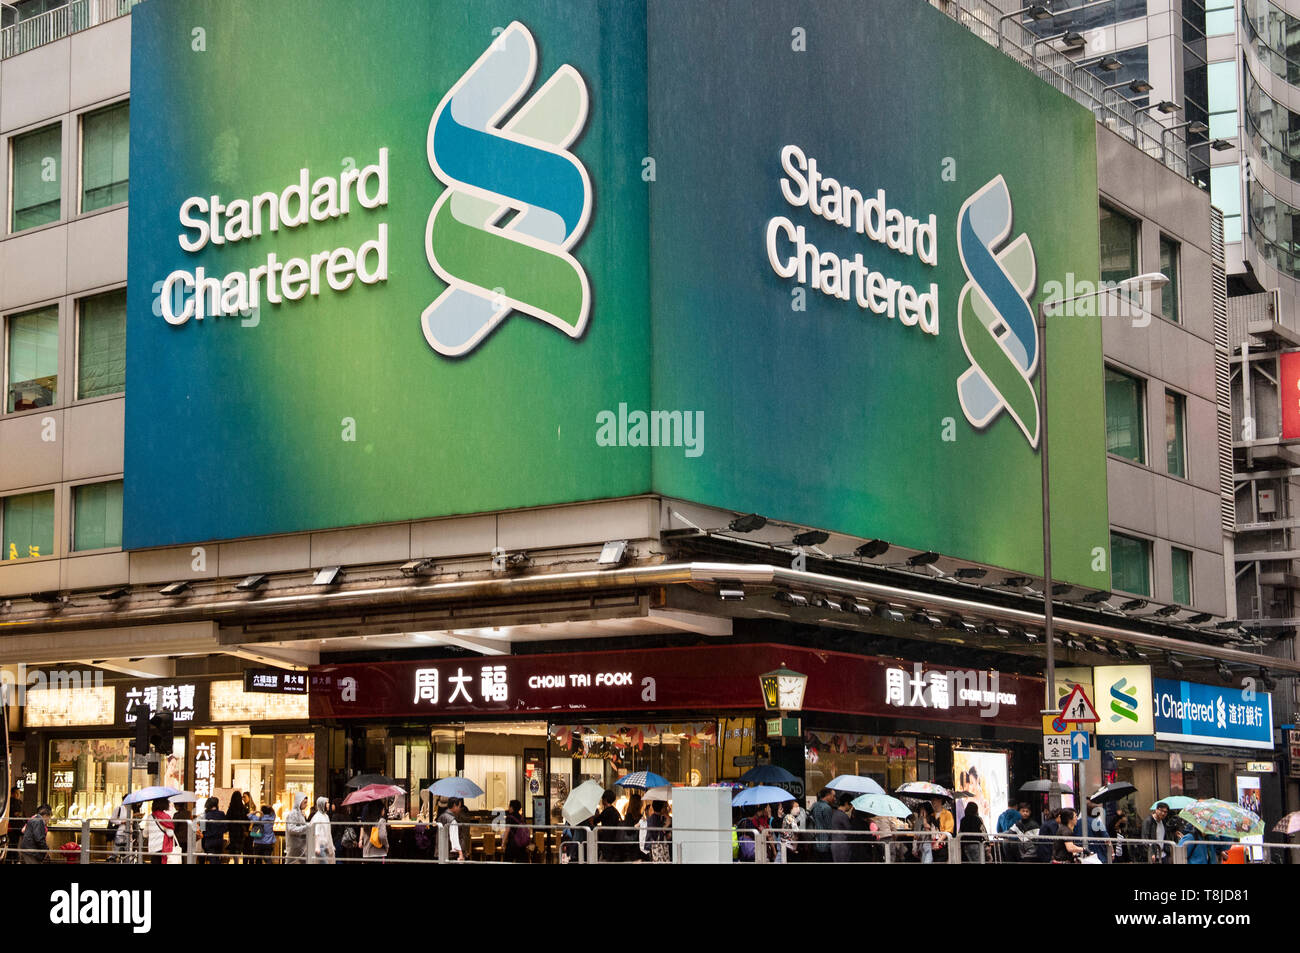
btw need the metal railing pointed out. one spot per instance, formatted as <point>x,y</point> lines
<point>558,844</point>
<point>60,23</point>
<point>1112,109</point>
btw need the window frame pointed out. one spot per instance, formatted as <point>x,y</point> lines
<point>1144,445</point>
<point>81,154</point>
<point>1191,576</point>
<point>1180,399</point>
<point>11,141</point>
<point>1174,288</point>
<point>54,517</point>
<point>6,335</point>
<point>1148,547</point>
<point>72,517</point>
<point>76,348</point>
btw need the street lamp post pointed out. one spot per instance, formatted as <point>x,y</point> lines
<point>1153,281</point>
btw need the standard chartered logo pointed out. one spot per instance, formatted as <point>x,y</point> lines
<point>1123,701</point>
<point>994,318</point>
<point>516,202</point>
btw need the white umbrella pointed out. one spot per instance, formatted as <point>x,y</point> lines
<point>583,801</point>
<point>185,797</point>
<point>664,793</point>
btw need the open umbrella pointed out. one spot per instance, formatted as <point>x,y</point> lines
<point>642,780</point>
<point>361,780</point>
<point>185,797</point>
<point>767,774</point>
<point>1222,819</point>
<point>854,784</point>
<point>1111,792</point>
<point>922,790</point>
<point>1043,786</point>
<point>761,794</point>
<point>454,787</point>
<point>583,801</point>
<point>149,794</point>
<point>373,792</point>
<point>1289,824</point>
<point>1175,802</point>
<point>662,793</point>
<point>881,805</point>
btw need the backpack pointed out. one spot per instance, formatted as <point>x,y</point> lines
<point>519,836</point>
<point>747,838</point>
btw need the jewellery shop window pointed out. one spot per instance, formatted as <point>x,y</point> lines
<point>682,752</point>
<point>888,760</point>
<point>89,778</point>
<point>270,768</point>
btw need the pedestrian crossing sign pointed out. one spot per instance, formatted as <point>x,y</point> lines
<point>1078,707</point>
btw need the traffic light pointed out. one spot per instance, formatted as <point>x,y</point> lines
<point>162,732</point>
<point>141,743</point>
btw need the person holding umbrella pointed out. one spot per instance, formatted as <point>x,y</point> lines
<point>1153,829</point>
<point>162,843</point>
<point>841,825</point>
<point>213,831</point>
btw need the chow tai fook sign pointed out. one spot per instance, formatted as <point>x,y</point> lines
<point>671,679</point>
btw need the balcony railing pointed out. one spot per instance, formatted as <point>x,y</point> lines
<point>1112,109</point>
<point>57,24</point>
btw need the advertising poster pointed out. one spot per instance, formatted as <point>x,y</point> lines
<point>1249,797</point>
<point>440,282</point>
<point>984,775</point>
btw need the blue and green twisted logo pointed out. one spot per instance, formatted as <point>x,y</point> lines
<point>516,202</point>
<point>1123,701</point>
<point>995,319</point>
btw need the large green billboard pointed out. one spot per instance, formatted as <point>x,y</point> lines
<point>447,258</point>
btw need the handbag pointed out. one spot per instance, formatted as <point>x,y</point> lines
<point>375,842</point>
<point>349,839</point>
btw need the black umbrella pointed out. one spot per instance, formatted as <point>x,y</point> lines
<point>361,780</point>
<point>1042,786</point>
<point>767,774</point>
<point>1111,792</point>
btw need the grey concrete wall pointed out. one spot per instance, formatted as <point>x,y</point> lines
<point>1147,501</point>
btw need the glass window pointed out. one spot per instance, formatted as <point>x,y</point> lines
<point>101,345</point>
<point>1169,267</point>
<point>890,761</point>
<point>37,157</point>
<point>1181,561</point>
<point>97,516</point>
<point>1130,561</point>
<point>89,778</point>
<point>28,525</point>
<point>1119,246</point>
<point>1222,95</point>
<point>1124,424</point>
<point>1176,434</point>
<point>104,157</point>
<point>1225,192</point>
<point>33,359</point>
<point>1219,17</point>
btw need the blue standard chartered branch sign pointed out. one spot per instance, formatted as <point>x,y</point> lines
<point>1213,714</point>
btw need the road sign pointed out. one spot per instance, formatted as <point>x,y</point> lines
<point>1079,745</point>
<point>1056,748</point>
<point>1053,725</point>
<point>1078,708</point>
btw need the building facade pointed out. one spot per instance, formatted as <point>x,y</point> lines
<point>567,544</point>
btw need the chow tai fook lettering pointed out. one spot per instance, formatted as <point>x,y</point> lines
<point>705,677</point>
